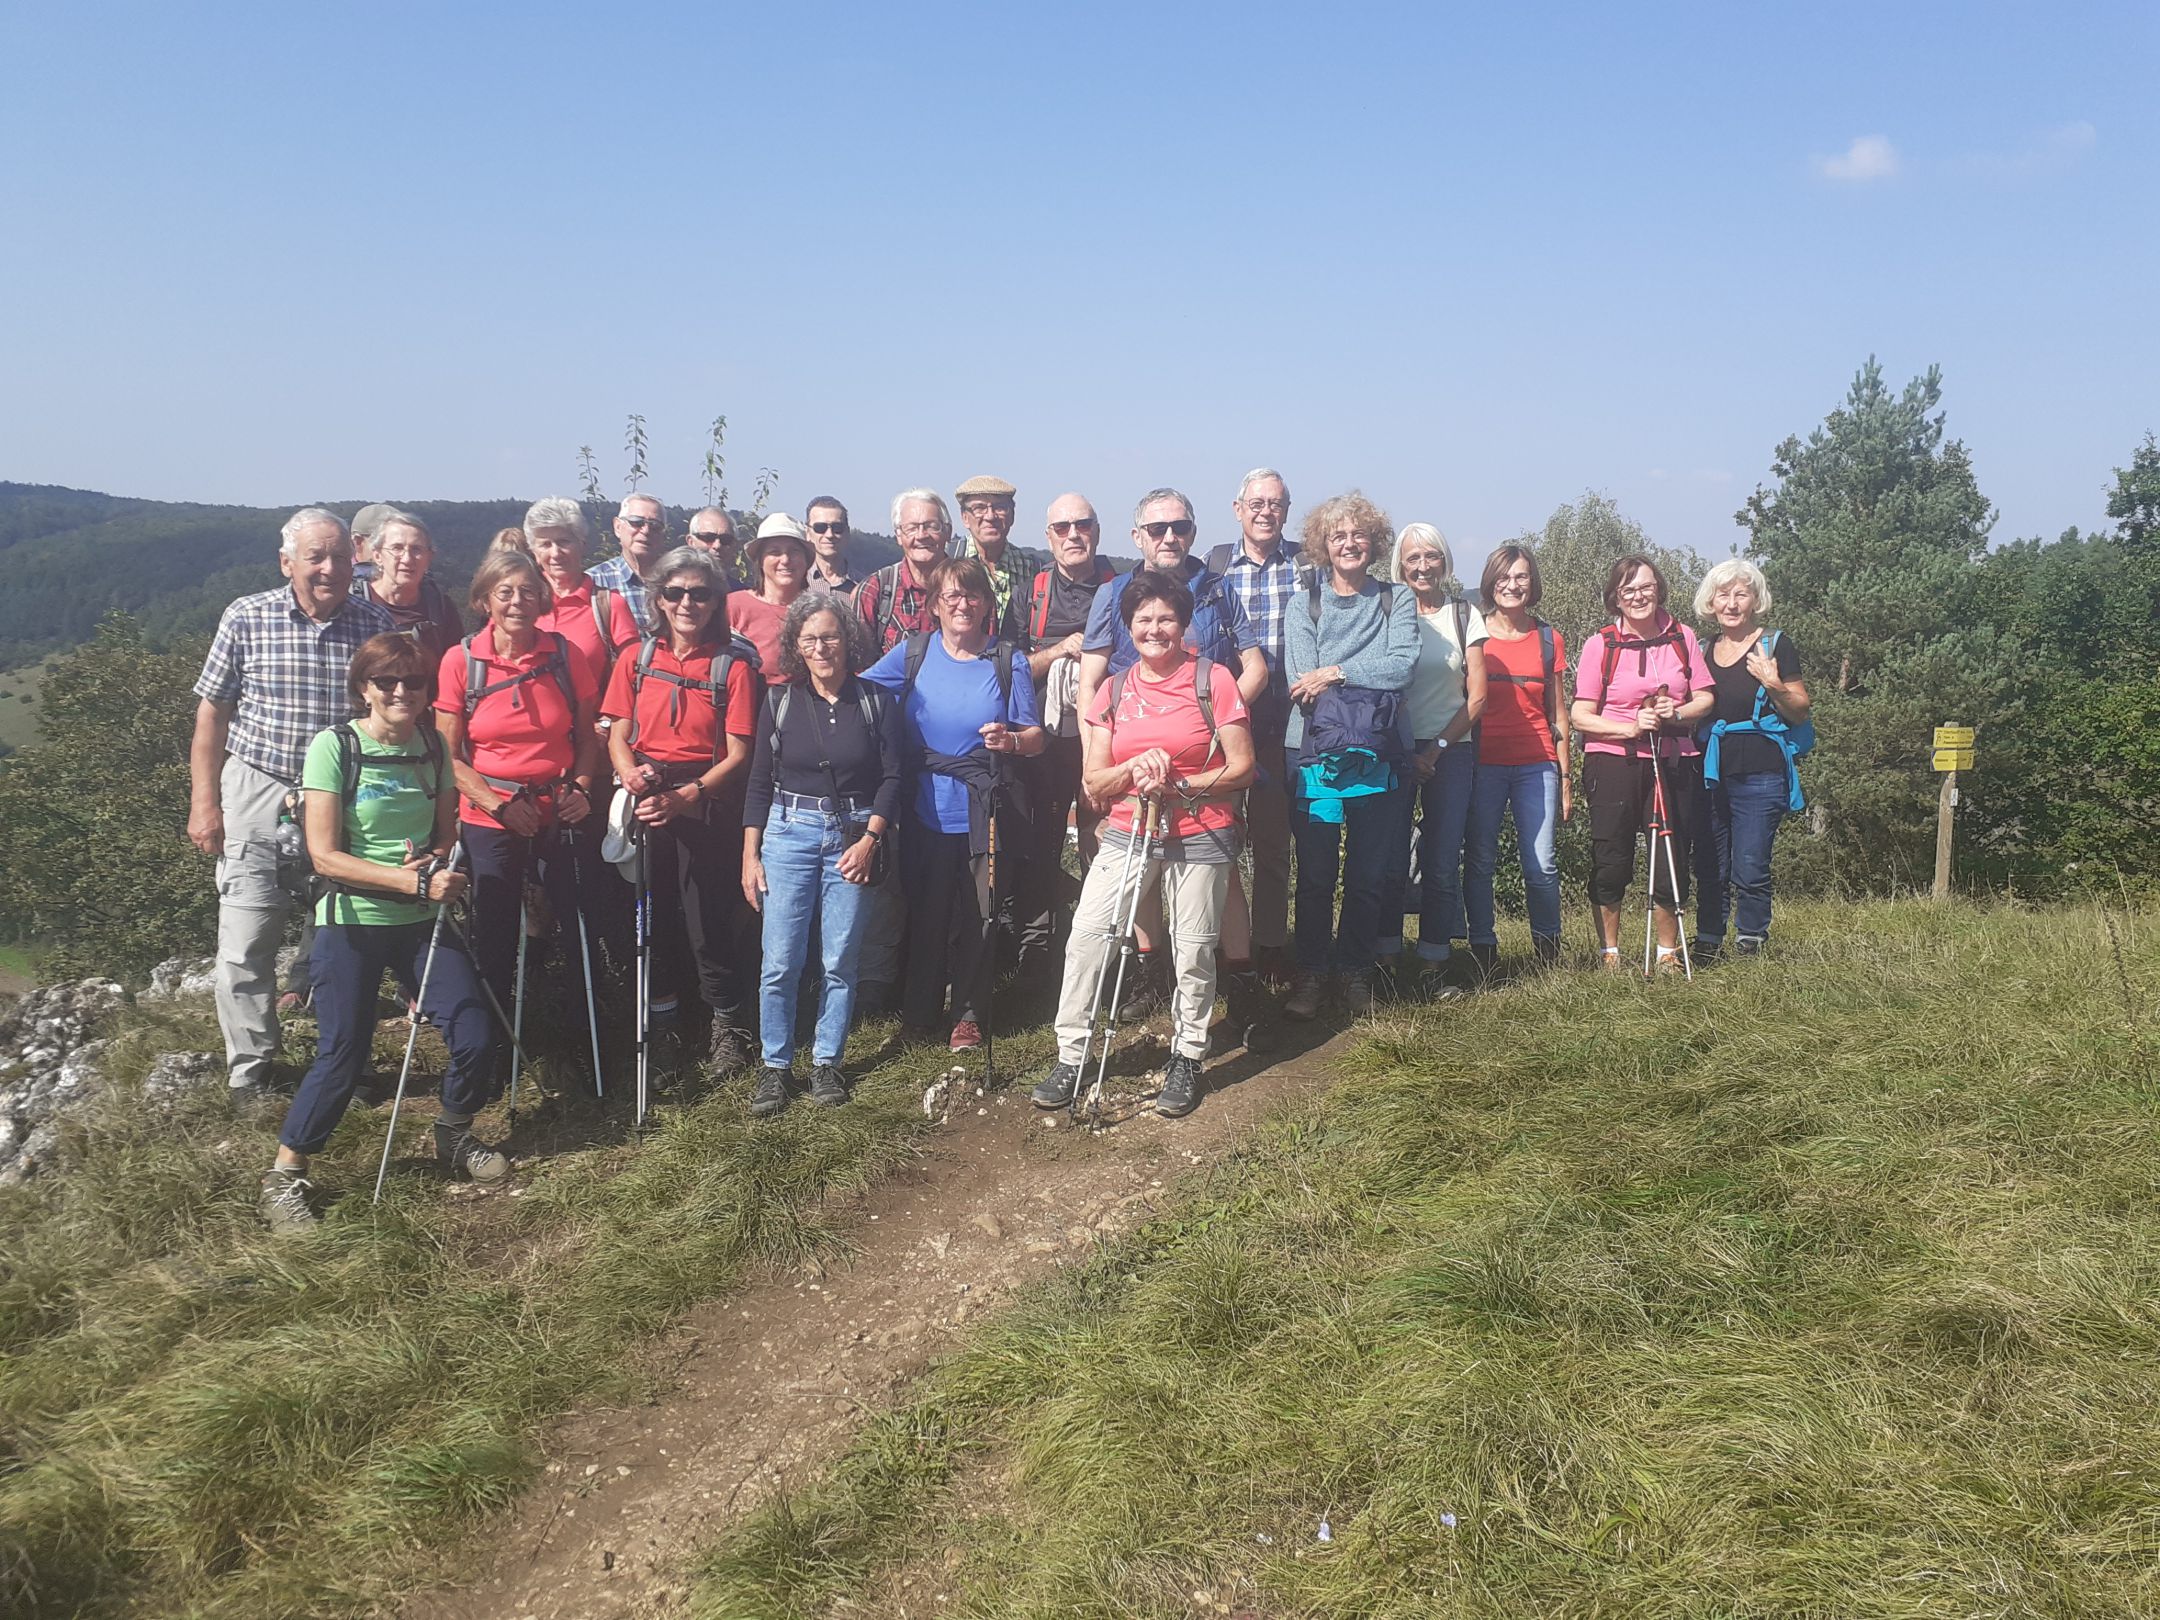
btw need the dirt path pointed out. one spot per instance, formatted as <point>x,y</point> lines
<point>773,1380</point>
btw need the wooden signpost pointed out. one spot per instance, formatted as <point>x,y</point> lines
<point>1953,753</point>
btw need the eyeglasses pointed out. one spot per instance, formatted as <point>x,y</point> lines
<point>1066,526</point>
<point>698,594</point>
<point>986,508</point>
<point>1182,528</point>
<point>394,683</point>
<point>956,598</point>
<point>828,528</point>
<point>1635,593</point>
<point>709,537</point>
<point>642,524</point>
<point>819,641</point>
<point>916,530</point>
<point>1258,506</point>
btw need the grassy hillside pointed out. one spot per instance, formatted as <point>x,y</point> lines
<point>1827,1286</point>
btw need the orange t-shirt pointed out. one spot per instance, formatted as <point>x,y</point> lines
<point>523,733</point>
<point>675,723</point>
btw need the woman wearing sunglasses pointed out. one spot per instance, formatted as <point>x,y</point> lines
<point>684,706</point>
<point>381,810</point>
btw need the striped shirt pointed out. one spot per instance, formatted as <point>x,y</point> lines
<point>284,674</point>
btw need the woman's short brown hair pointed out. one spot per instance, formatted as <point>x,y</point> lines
<point>1616,576</point>
<point>1146,585</point>
<point>961,574</point>
<point>391,653</point>
<point>1500,562</point>
<point>498,566</point>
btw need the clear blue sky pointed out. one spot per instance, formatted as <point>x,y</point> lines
<point>1474,260</point>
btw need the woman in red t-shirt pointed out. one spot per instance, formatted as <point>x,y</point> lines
<point>1523,760</point>
<point>1147,737</point>
<point>686,762</point>
<point>521,742</point>
<point>558,538</point>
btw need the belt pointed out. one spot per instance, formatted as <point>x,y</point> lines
<point>824,806</point>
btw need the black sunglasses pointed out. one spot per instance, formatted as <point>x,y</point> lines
<point>1182,528</point>
<point>709,537</point>
<point>390,683</point>
<point>646,523</point>
<point>828,528</point>
<point>700,594</point>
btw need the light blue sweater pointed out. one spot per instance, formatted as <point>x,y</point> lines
<point>1372,635</point>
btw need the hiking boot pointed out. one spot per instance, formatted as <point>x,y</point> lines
<point>1250,1007</point>
<point>771,1094</point>
<point>1304,1003</point>
<point>282,1202</point>
<point>1547,947</point>
<point>1357,995</point>
<point>1180,1092</point>
<point>828,1086</point>
<point>1435,984</point>
<point>727,1053</point>
<point>459,1152</point>
<point>966,1036</point>
<point>1057,1088</point>
<point>1747,945</point>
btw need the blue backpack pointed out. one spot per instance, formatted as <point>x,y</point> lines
<point>1792,740</point>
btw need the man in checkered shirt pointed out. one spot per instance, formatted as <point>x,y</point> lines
<point>641,529</point>
<point>1262,572</point>
<point>274,678</point>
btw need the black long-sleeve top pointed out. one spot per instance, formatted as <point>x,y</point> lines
<point>865,763</point>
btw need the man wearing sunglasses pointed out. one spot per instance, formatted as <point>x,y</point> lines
<point>641,529</point>
<point>713,530</point>
<point>827,521</point>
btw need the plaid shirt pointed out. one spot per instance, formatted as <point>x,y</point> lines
<point>1265,591</point>
<point>908,613</point>
<point>1012,579</point>
<point>618,576</point>
<point>284,674</point>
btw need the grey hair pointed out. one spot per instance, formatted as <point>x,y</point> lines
<point>854,637</point>
<point>403,520</point>
<point>1164,494</point>
<point>1723,574</point>
<point>1259,473</point>
<point>687,560</point>
<point>1412,532</point>
<point>311,517</point>
<point>640,495</point>
<point>557,512</point>
<point>944,512</point>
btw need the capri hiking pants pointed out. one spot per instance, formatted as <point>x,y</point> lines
<point>1193,893</point>
<point>1619,790</point>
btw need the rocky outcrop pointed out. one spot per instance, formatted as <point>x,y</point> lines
<point>52,1061</point>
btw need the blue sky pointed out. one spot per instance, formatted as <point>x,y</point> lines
<point>1474,261</point>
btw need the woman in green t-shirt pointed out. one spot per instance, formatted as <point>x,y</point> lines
<point>381,807</point>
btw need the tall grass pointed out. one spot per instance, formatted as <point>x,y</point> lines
<point>195,1420</point>
<point>1829,1285</point>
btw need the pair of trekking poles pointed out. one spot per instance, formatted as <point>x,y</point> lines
<point>1140,849</point>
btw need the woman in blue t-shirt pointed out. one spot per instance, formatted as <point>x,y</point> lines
<point>381,805</point>
<point>966,707</point>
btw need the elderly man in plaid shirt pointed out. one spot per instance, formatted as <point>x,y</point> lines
<point>274,678</point>
<point>1261,571</point>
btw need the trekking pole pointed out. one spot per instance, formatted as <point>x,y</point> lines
<point>517,996</point>
<point>1150,822</point>
<point>986,969</point>
<point>584,941</point>
<point>412,1034</point>
<point>643,839</point>
<point>1661,820</point>
<point>1121,919</point>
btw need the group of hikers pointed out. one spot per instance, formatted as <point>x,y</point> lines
<point>859,792</point>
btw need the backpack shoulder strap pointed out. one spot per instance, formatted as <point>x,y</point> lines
<point>348,759</point>
<point>1611,635</point>
<point>603,614</point>
<point>475,676</point>
<point>1218,558</point>
<point>1462,627</point>
<point>1203,685</point>
<point>1002,654</point>
<point>1548,653</point>
<point>918,647</point>
<point>559,666</point>
<point>1312,594</point>
<point>1039,604</point>
<point>716,678</point>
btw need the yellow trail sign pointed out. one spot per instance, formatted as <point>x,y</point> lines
<point>1953,759</point>
<point>1953,737</point>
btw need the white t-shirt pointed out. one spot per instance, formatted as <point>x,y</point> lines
<point>1437,692</point>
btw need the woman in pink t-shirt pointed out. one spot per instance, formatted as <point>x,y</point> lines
<point>1148,737</point>
<point>1640,685</point>
<point>779,561</point>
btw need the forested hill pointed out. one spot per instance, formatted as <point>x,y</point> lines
<point>70,556</point>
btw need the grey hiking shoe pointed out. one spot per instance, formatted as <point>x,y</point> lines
<point>1435,985</point>
<point>1180,1092</point>
<point>1057,1088</point>
<point>828,1086</point>
<point>1304,1002</point>
<point>727,1053</point>
<point>1357,995</point>
<point>459,1152</point>
<point>282,1202</point>
<point>771,1094</point>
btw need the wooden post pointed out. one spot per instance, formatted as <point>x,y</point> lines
<point>1945,803</point>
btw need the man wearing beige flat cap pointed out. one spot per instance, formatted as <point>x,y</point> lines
<point>986,509</point>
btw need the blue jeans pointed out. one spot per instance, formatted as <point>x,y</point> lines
<point>1359,850</point>
<point>1443,804</point>
<point>1533,791</point>
<point>1732,862</point>
<point>804,890</point>
<point>348,962</point>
